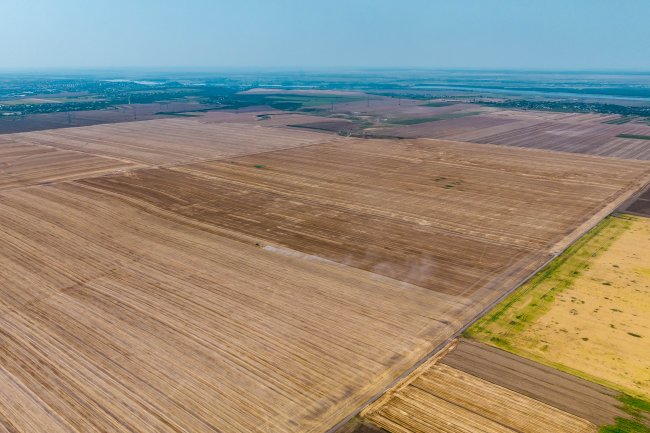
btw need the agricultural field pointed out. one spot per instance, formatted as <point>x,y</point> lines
<point>118,114</point>
<point>189,274</point>
<point>23,164</point>
<point>587,400</point>
<point>319,201</point>
<point>592,134</point>
<point>170,141</point>
<point>587,312</point>
<point>469,386</point>
<point>163,321</point>
<point>439,398</point>
<point>639,204</point>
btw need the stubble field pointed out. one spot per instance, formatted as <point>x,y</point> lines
<point>266,278</point>
<point>437,398</point>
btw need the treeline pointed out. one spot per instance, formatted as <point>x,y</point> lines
<point>572,107</point>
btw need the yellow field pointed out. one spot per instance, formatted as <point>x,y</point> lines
<point>591,314</point>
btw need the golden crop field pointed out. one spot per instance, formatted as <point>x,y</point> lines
<point>589,313</point>
<point>272,292</point>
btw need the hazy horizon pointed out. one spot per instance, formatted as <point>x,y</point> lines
<point>490,35</point>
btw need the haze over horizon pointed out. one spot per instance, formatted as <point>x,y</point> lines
<point>419,34</point>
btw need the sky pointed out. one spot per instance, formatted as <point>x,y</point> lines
<point>325,34</point>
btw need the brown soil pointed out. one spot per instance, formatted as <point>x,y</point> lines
<point>116,316</point>
<point>23,164</point>
<point>426,213</point>
<point>640,205</point>
<point>359,425</point>
<point>553,387</point>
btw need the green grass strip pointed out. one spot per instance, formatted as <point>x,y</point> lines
<point>446,116</point>
<point>634,136</point>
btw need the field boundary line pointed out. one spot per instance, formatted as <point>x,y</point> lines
<point>408,379</point>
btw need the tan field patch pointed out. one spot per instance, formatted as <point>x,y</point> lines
<point>597,324</point>
<point>24,164</point>
<point>172,141</point>
<point>452,217</point>
<point>160,321</point>
<point>441,399</point>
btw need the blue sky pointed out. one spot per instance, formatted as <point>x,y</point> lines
<point>333,34</point>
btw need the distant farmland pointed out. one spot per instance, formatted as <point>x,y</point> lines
<point>237,277</point>
<point>592,134</point>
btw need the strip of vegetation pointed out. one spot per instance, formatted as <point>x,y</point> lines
<point>439,104</point>
<point>283,101</point>
<point>404,94</point>
<point>637,422</point>
<point>446,116</point>
<point>570,107</point>
<point>24,109</point>
<point>621,120</point>
<point>635,136</point>
<point>176,113</point>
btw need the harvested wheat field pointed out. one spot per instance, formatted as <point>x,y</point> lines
<point>437,398</point>
<point>24,164</point>
<point>450,217</point>
<point>272,292</point>
<point>171,141</point>
<point>589,312</point>
<point>119,316</point>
